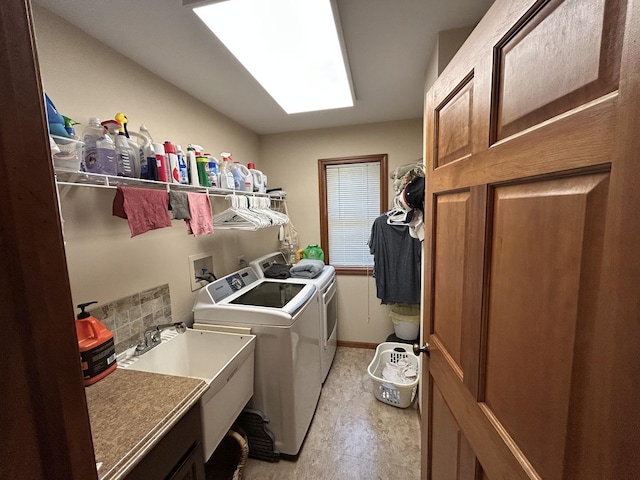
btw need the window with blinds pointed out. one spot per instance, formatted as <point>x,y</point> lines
<point>352,194</point>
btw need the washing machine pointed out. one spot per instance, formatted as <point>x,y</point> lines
<point>328,305</point>
<point>284,317</point>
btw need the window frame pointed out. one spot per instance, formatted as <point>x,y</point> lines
<point>324,216</point>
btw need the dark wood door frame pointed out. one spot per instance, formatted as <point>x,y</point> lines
<point>44,419</point>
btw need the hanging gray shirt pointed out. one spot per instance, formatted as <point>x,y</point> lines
<point>396,257</point>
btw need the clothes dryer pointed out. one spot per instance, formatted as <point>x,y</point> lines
<point>328,304</point>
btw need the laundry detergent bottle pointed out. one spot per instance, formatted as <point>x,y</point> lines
<point>259,179</point>
<point>226,179</point>
<point>244,176</point>
<point>202,162</point>
<point>99,151</point>
<point>127,156</point>
<point>96,344</point>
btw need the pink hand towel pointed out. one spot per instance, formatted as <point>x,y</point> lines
<point>201,221</point>
<point>144,208</point>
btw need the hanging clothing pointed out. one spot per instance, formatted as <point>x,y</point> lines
<point>413,193</point>
<point>145,209</point>
<point>405,214</point>
<point>201,222</point>
<point>179,205</point>
<point>396,257</point>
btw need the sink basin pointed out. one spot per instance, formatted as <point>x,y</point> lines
<point>223,360</point>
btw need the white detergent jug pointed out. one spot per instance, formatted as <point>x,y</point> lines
<point>247,178</point>
<point>259,181</point>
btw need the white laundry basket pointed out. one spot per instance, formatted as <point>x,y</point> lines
<point>397,394</point>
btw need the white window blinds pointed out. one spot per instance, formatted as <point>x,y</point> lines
<point>353,203</point>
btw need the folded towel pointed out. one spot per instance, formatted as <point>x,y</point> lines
<point>201,221</point>
<point>278,270</point>
<point>145,209</point>
<point>179,205</point>
<point>307,268</point>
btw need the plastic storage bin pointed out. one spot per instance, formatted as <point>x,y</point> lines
<point>406,321</point>
<point>70,155</point>
<point>397,394</point>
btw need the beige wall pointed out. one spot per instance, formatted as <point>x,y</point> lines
<point>447,44</point>
<point>291,161</point>
<point>85,78</point>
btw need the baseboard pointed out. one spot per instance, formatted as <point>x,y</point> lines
<point>344,343</point>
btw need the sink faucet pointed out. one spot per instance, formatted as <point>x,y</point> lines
<point>152,336</point>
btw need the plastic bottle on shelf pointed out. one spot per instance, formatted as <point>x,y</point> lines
<point>246,178</point>
<point>203,170</point>
<point>145,131</point>
<point>174,169</point>
<point>183,173</point>
<point>148,168</point>
<point>124,160</point>
<point>149,158</point>
<point>259,179</point>
<point>226,173</point>
<point>141,157</point>
<point>238,179</point>
<point>128,155</point>
<point>161,162</point>
<point>193,167</point>
<point>99,152</point>
<point>213,170</point>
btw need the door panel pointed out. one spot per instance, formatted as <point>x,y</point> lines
<point>452,457</point>
<point>444,457</point>
<point>545,237</point>
<point>485,440</point>
<point>531,249</point>
<point>560,55</point>
<point>451,235</point>
<point>454,128</point>
<point>574,140</point>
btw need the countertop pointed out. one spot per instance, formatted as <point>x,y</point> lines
<point>130,411</point>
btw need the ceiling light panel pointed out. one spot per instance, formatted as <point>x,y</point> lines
<point>291,47</point>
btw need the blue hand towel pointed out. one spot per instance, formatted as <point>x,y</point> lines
<point>307,268</point>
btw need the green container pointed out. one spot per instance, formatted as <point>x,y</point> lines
<point>203,170</point>
<point>313,252</point>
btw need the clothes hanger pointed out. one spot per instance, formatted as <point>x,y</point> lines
<point>262,206</point>
<point>236,217</point>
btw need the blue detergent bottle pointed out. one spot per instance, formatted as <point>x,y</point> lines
<point>183,172</point>
<point>238,178</point>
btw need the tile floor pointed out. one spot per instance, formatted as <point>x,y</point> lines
<point>352,436</point>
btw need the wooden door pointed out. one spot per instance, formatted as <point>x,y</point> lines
<point>532,274</point>
<point>44,424</point>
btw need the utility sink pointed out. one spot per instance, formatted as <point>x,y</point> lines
<point>223,360</point>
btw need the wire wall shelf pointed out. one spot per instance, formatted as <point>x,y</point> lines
<point>96,180</point>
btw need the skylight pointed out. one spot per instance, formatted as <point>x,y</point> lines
<point>291,47</point>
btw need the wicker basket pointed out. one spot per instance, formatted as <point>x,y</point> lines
<point>399,395</point>
<point>228,460</point>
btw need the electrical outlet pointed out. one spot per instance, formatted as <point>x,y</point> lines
<point>242,261</point>
<point>199,265</point>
